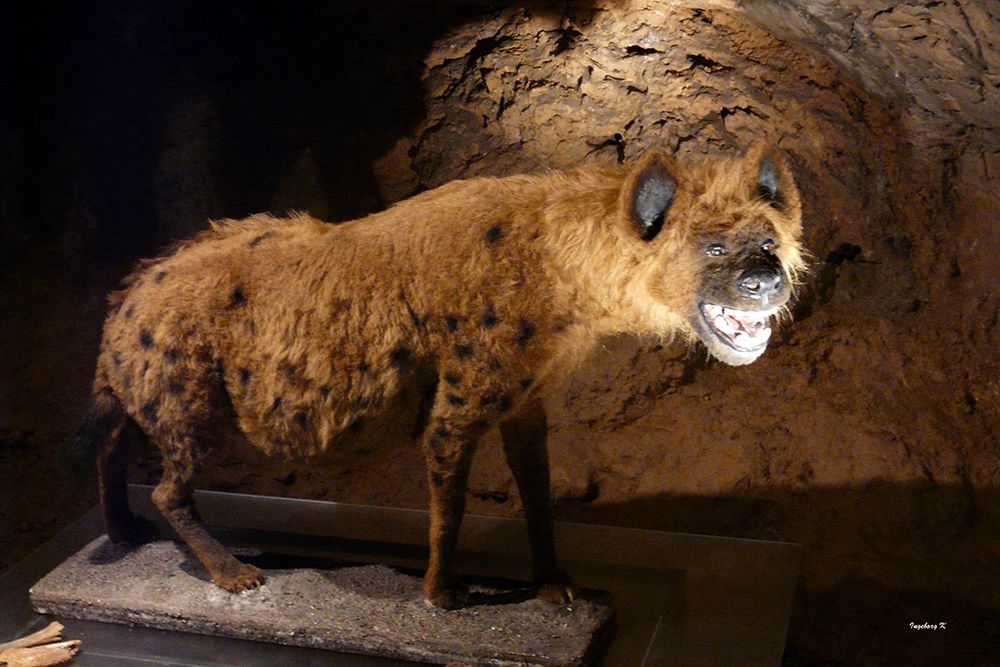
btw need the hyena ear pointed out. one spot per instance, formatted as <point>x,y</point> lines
<point>771,178</point>
<point>649,191</point>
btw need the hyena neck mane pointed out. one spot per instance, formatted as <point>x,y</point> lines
<point>590,250</point>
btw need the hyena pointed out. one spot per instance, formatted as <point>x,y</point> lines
<point>294,332</point>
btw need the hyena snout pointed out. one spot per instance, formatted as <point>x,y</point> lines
<point>762,283</point>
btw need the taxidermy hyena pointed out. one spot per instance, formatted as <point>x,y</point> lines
<point>295,332</point>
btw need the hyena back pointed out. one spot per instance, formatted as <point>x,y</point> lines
<point>296,332</point>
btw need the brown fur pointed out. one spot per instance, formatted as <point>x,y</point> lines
<point>297,331</point>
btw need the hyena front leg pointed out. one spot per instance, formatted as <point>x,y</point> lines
<point>449,443</point>
<point>524,443</point>
<point>173,496</point>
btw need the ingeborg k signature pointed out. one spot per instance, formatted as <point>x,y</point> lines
<point>940,625</point>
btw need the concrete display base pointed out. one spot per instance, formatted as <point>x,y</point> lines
<point>371,609</point>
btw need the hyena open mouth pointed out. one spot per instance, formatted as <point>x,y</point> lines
<point>743,330</point>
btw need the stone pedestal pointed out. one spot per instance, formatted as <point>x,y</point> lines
<point>370,609</point>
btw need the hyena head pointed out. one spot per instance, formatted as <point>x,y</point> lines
<point>720,245</point>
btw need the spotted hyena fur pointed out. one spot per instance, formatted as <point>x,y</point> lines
<point>297,332</point>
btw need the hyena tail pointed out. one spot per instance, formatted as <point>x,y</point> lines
<point>107,434</point>
<point>102,421</point>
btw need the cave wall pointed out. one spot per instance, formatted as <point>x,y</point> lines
<point>869,430</point>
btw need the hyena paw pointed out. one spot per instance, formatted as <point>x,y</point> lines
<point>451,597</point>
<point>133,530</point>
<point>557,589</point>
<point>238,577</point>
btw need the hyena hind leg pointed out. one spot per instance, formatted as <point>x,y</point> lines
<point>112,467</point>
<point>173,497</point>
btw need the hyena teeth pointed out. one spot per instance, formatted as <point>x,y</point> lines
<point>744,329</point>
<point>721,322</point>
<point>748,314</point>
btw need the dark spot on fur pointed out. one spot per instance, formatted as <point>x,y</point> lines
<point>172,354</point>
<point>505,403</point>
<point>129,311</point>
<point>339,307</point>
<point>356,425</point>
<point>363,402</point>
<point>525,332</point>
<point>489,319</point>
<point>455,400</point>
<point>481,423</point>
<point>463,351</point>
<point>400,358</point>
<point>452,379</point>
<point>493,235</point>
<point>435,444</point>
<point>494,364</point>
<point>145,339</point>
<point>527,382</point>
<point>324,392</point>
<point>149,412</point>
<point>145,366</point>
<point>244,376</point>
<point>363,367</point>
<point>437,479</point>
<point>302,418</point>
<point>257,239</point>
<point>489,399</point>
<point>160,275</point>
<point>175,387</point>
<point>275,405</point>
<point>452,323</point>
<point>288,369</point>
<point>237,299</point>
<point>116,360</point>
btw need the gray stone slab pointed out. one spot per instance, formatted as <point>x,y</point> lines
<point>370,609</point>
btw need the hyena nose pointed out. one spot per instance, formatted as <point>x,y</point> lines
<point>759,282</point>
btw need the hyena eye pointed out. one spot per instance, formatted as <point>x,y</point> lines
<point>769,246</point>
<point>716,250</point>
